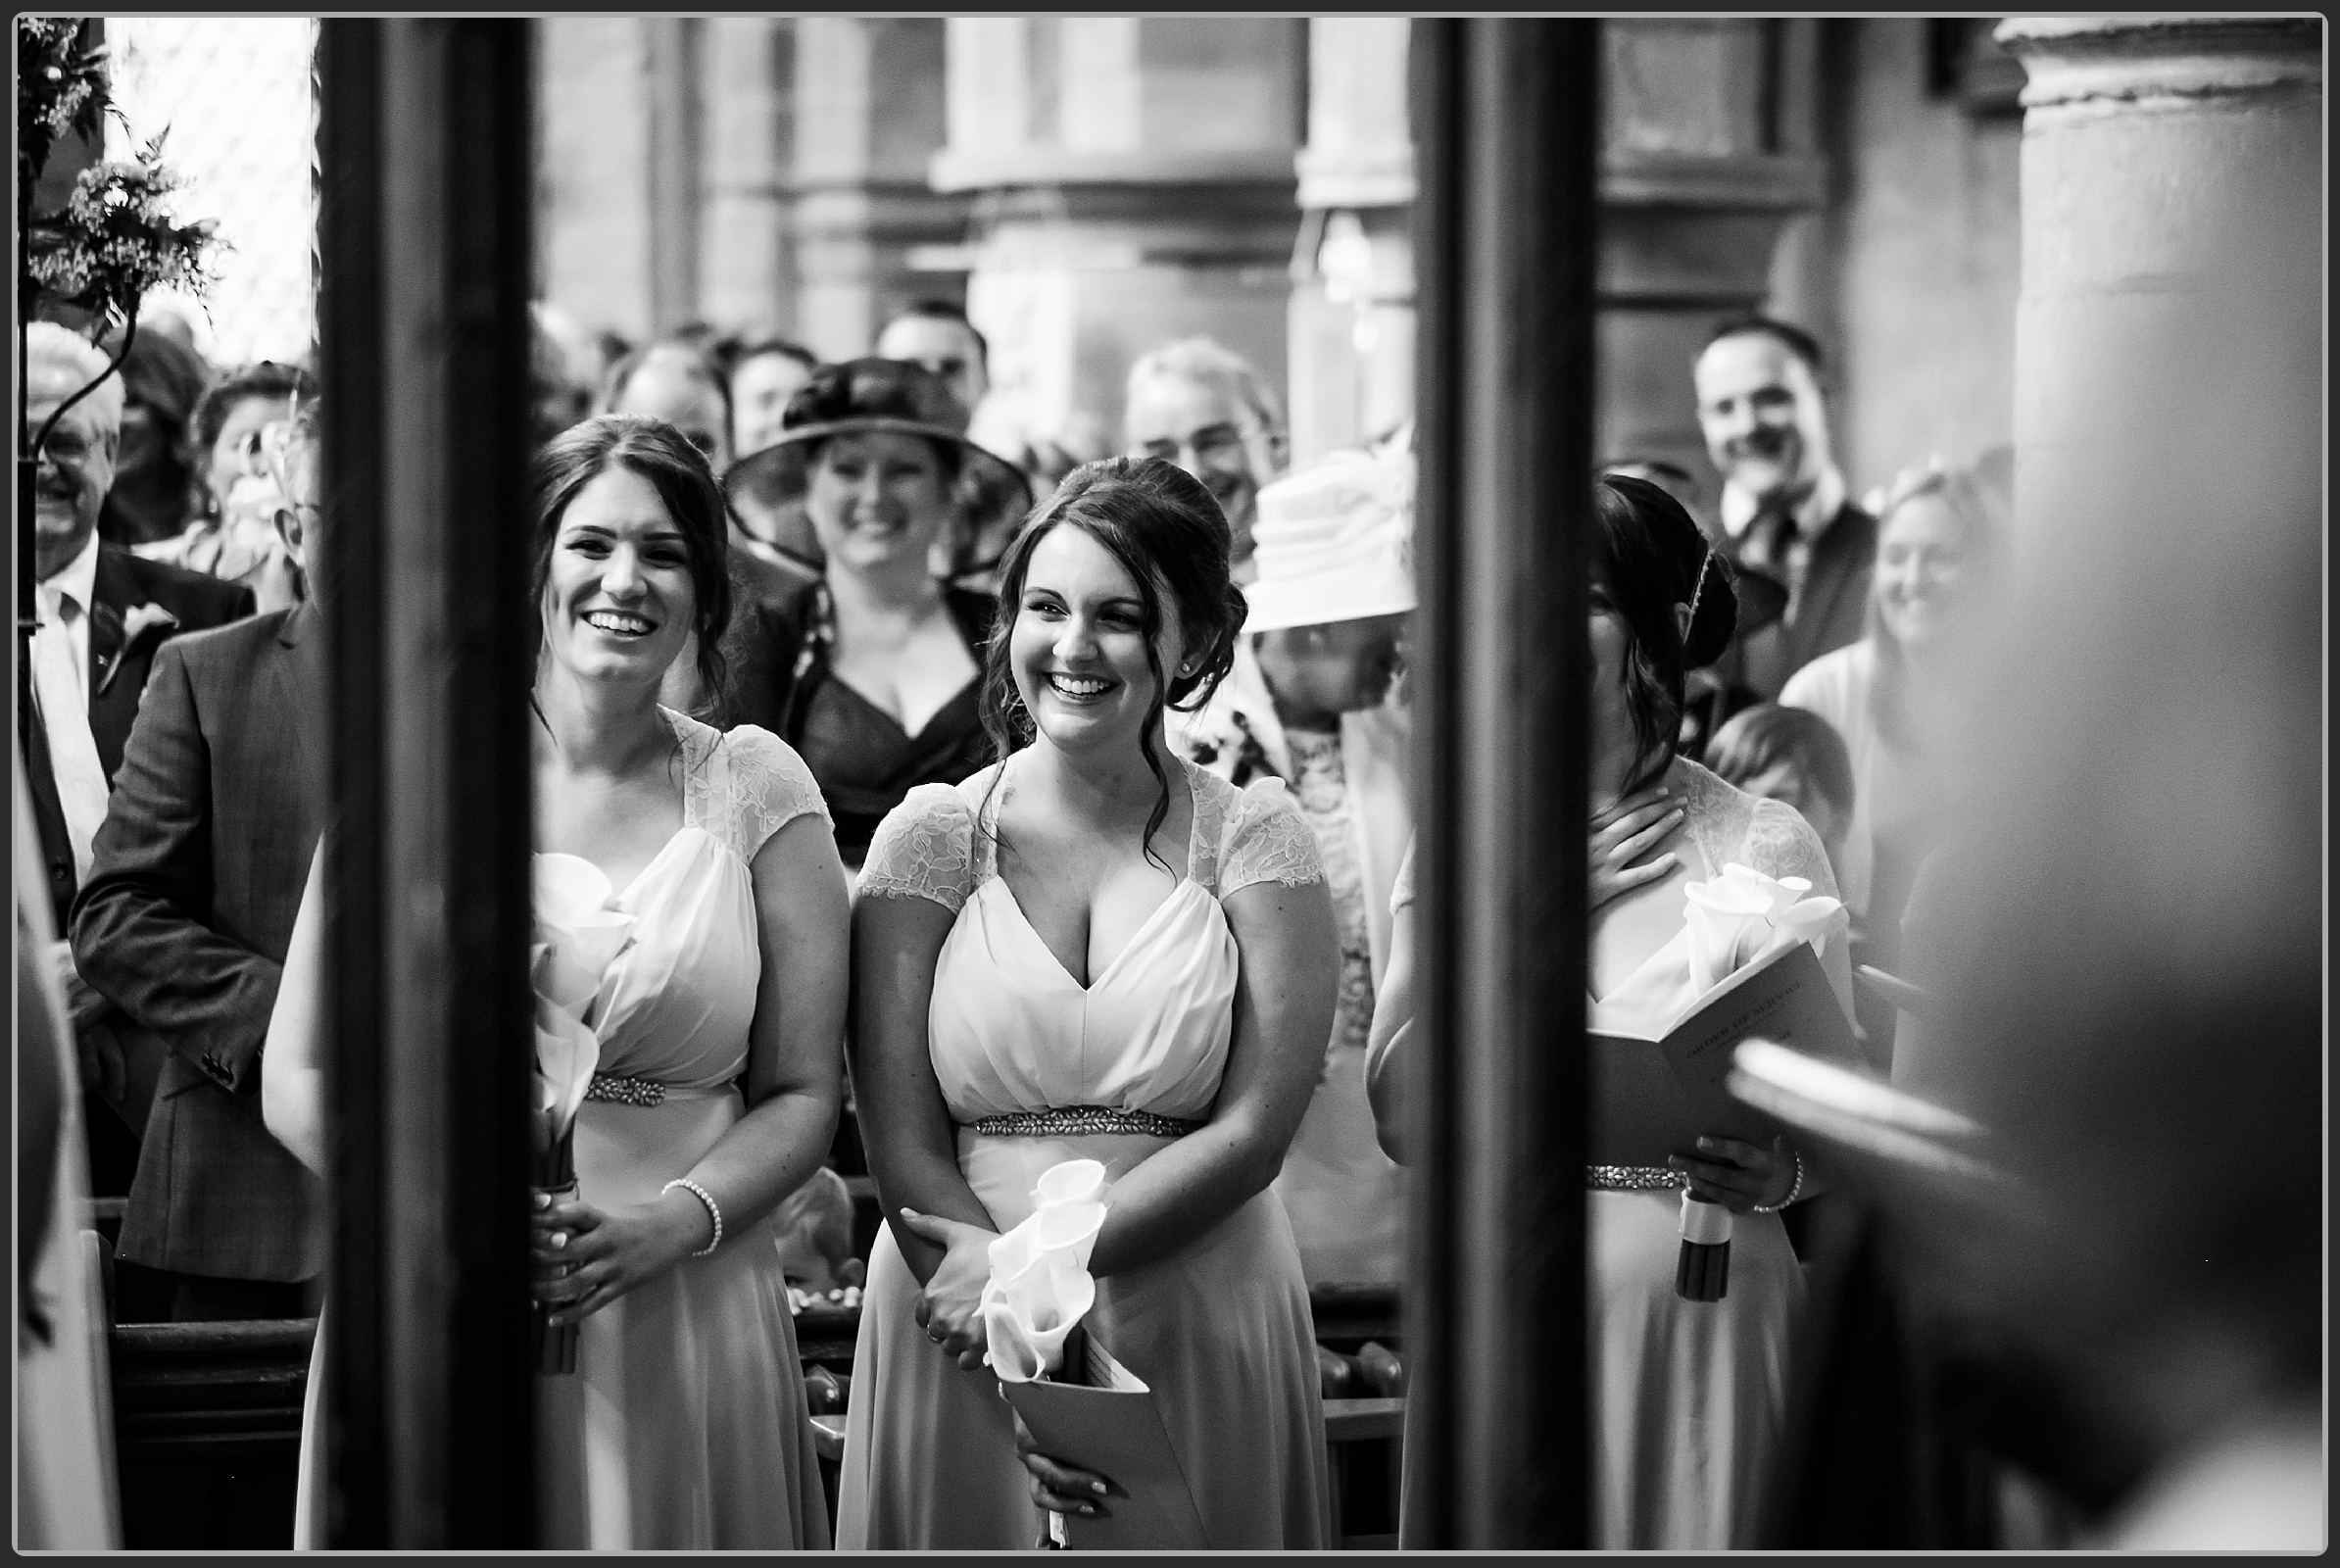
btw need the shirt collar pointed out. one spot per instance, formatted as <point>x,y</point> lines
<point>1812,519</point>
<point>79,580</point>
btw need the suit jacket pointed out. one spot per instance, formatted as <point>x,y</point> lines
<point>163,600</point>
<point>1830,614</point>
<point>183,926</point>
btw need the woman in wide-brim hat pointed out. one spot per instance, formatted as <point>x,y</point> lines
<point>898,517</point>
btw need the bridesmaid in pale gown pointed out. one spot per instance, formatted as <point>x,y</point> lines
<point>684,1426</point>
<point>1688,1396</point>
<point>1093,950</point>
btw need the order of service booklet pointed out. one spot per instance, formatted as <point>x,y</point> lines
<point>1107,1422</point>
<point>1655,1097</point>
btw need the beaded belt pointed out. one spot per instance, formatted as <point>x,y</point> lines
<point>1632,1178</point>
<point>1072,1122</point>
<point>625,1091</point>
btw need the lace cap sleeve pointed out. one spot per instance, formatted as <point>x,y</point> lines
<point>768,786</point>
<point>924,849</point>
<point>1268,841</point>
<point>1781,842</point>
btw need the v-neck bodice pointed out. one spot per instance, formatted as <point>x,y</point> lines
<point>1009,1029</point>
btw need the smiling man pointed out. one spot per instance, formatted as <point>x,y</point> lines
<point>1786,511</point>
<point>1209,410</point>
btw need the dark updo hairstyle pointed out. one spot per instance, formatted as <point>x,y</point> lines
<point>677,469</point>
<point>1167,532</point>
<point>1652,558</point>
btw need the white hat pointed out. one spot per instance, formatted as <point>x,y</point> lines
<point>1331,543</point>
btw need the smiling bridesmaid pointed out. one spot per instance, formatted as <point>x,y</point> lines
<point>1091,949</point>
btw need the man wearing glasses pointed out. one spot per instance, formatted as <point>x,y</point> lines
<point>103,613</point>
<point>1210,412</point>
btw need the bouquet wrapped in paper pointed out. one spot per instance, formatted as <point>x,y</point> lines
<point>1040,1287</point>
<point>579,933</point>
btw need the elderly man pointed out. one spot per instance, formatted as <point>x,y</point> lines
<point>104,614</point>
<point>1312,700</point>
<point>1208,410</point>
<point>184,926</point>
<point>1786,511</point>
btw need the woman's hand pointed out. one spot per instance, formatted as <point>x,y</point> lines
<point>1623,834</point>
<point>1060,1488</point>
<point>586,1257</point>
<point>950,1307</point>
<point>1738,1175</point>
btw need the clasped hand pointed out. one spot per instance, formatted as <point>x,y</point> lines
<point>586,1257</point>
<point>951,1306</point>
<point>1738,1175</point>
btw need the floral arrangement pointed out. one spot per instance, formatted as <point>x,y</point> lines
<point>1744,916</point>
<point>579,933</point>
<point>1041,1286</point>
<point>116,238</point>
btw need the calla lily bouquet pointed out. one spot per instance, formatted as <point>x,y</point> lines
<point>579,933</point>
<point>1041,1286</point>
<point>1744,916</point>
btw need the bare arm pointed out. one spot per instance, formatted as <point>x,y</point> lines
<point>793,1089</point>
<point>1285,996</point>
<point>906,1129</point>
<point>292,1086</point>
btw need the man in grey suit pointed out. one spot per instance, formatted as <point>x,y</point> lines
<point>182,924</point>
<point>1786,511</point>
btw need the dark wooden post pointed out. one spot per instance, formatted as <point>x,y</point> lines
<point>425,143</point>
<point>1507,118</point>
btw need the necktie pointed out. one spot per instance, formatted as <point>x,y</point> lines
<point>58,685</point>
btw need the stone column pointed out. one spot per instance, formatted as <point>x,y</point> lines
<point>1134,180</point>
<point>2173,203</point>
<point>747,74</point>
<point>1703,165</point>
<point>869,115</point>
<point>1352,294</point>
<point>593,170</point>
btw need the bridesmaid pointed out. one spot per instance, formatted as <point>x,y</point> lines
<point>1092,948</point>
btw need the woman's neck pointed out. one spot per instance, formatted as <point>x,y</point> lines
<point>596,728</point>
<point>902,590</point>
<point>1104,791</point>
<point>1616,759</point>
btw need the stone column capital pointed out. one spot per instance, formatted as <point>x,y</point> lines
<point>2110,65</point>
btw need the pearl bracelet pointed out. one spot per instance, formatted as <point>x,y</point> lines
<point>1794,1192</point>
<point>717,1215</point>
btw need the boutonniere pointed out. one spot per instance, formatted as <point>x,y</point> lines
<point>141,619</point>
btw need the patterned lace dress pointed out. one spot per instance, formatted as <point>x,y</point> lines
<point>1220,1329</point>
<point>1347,1198</point>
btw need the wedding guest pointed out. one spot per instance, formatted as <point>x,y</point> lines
<point>879,656</point>
<point>182,926</point>
<point>763,374</point>
<point>1311,700</point>
<point>233,535</point>
<point>1093,950</point>
<point>1209,410</point>
<point>1786,753</point>
<point>1896,696</point>
<point>1688,1396</point>
<point>105,612</point>
<point>1786,510</point>
<point>152,496</point>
